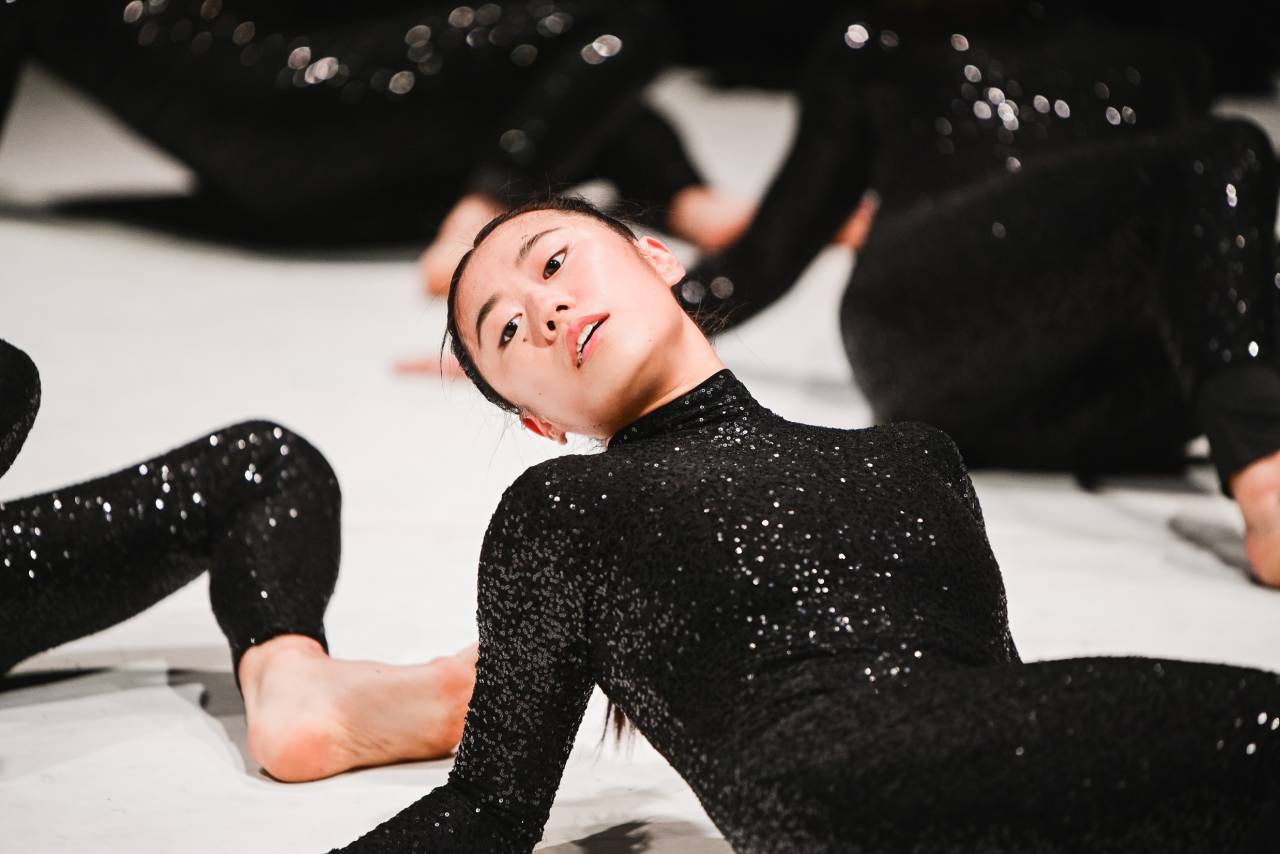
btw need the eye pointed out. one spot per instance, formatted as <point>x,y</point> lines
<point>554,263</point>
<point>508,332</point>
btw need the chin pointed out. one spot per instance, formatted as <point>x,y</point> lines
<point>618,379</point>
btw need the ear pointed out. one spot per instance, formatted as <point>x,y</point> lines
<point>542,427</point>
<point>664,261</point>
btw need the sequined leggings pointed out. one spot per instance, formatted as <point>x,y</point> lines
<point>254,504</point>
<point>1075,314</point>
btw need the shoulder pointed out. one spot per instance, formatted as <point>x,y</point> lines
<point>554,494</point>
<point>928,440</point>
<point>557,476</point>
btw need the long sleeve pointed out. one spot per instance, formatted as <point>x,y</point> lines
<point>827,169</point>
<point>533,681</point>
<point>647,162</point>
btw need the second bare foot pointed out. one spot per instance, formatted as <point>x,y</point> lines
<point>1256,488</point>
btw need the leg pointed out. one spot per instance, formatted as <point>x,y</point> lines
<point>254,503</point>
<point>258,507</point>
<point>1105,755</point>
<point>19,401</point>
<point>10,56</point>
<point>354,124</point>
<point>1142,297</point>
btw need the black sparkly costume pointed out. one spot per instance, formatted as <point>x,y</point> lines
<point>254,504</point>
<point>1073,266</point>
<point>808,623</point>
<point>361,121</point>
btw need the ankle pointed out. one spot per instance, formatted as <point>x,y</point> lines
<point>262,659</point>
<point>1258,480</point>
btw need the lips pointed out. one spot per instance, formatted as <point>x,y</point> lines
<point>580,338</point>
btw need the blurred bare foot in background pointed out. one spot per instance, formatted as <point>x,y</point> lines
<point>708,218</point>
<point>1256,488</point>
<point>445,366</point>
<point>456,234</point>
<point>853,233</point>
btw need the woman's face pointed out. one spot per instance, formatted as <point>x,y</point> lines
<point>571,321</point>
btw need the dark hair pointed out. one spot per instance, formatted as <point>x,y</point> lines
<point>564,204</point>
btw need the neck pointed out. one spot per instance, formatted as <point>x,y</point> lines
<point>695,362</point>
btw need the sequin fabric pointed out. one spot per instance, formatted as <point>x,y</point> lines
<point>351,121</point>
<point>808,623</point>
<point>1068,245</point>
<point>254,504</point>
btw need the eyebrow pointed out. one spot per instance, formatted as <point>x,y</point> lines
<point>527,246</point>
<point>525,249</point>
<point>484,312</point>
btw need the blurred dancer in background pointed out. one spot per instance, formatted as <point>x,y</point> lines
<point>359,123</point>
<point>1073,263</point>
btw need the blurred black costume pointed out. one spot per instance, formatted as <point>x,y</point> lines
<point>254,504</point>
<point>1073,266</point>
<point>362,121</point>
<point>809,624</point>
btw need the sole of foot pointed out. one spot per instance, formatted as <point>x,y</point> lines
<point>310,716</point>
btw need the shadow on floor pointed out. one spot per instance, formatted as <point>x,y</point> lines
<point>1221,541</point>
<point>218,696</point>
<point>185,217</point>
<point>634,837</point>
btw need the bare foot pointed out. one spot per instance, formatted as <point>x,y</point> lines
<point>445,366</point>
<point>853,233</point>
<point>311,716</point>
<point>1256,489</point>
<point>710,219</point>
<point>437,262</point>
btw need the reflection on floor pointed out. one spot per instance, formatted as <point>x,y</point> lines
<point>133,741</point>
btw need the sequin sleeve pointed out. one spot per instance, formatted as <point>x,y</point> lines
<point>19,400</point>
<point>819,185</point>
<point>532,684</point>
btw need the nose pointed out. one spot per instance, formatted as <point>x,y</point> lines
<point>549,314</point>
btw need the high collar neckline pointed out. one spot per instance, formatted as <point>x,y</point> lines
<point>720,397</point>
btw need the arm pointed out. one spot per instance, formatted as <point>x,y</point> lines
<point>532,684</point>
<point>821,182</point>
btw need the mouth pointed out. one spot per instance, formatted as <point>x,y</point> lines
<point>582,339</point>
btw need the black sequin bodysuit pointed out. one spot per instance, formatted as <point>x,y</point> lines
<point>808,623</point>
<point>1073,265</point>
<point>254,504</point>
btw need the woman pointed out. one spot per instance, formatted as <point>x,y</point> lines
<point>1073,265</point>
<point>356,123</point>
<point>258,507</point>
<point>807,622</point>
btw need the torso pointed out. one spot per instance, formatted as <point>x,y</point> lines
<point>740,563</point>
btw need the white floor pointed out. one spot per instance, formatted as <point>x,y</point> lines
<point>144,341</point>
